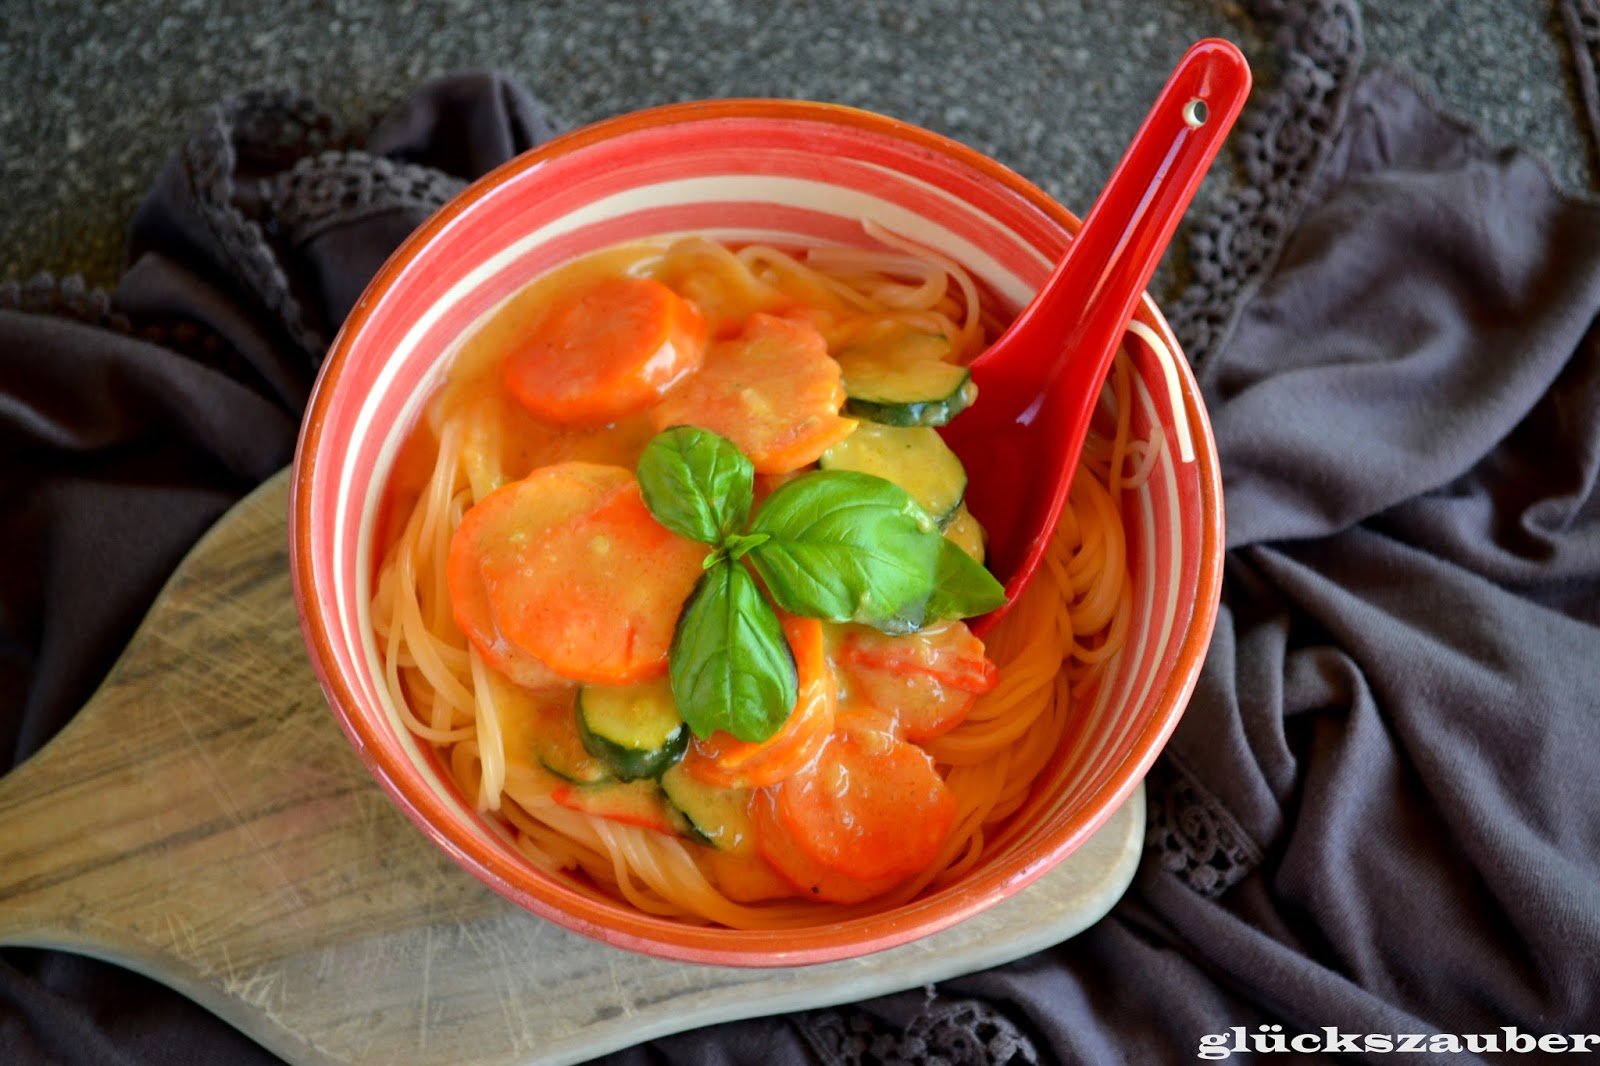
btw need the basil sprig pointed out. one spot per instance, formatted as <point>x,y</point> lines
<point>832,544</point>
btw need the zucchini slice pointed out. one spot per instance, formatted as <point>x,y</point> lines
<point>631,802</point>
<point>915,458</point>
<point>908,383</point>
<point>718,817</point>
<point>558,747</point>
<point>967,533</point>
<point>636,731</point>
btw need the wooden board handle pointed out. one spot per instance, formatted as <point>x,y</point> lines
<point>206,763</point>
<point>203,820</point>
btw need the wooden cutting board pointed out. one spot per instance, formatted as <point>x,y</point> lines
<point>204,821</point>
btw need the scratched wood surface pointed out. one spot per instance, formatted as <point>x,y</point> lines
<point>204,821</point>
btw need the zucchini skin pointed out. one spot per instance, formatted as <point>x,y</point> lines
<point>936,412</point>
<point>558,747</point>
<point>626,761</point>
<point>909,385</point>
<point>716,817</point>
<point>968,535</point>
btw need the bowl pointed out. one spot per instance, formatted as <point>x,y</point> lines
<point>740,170</point>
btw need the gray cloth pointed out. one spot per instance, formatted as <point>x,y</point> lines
<point>1377,815</point>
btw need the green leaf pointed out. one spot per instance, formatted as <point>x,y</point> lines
<point>740,543</point>
<point>730,666</point>
<point>696,483</point>
<point>847,547</point>
<point>962,586</point>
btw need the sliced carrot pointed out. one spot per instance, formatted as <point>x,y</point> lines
<point>773,390</point>
<point>725,761</point>
<point>804,874</point>
<point>597,600</point>
<point>469,601</point>
<point>856,715</point>
<point>927,680</point>
<point>869,806</point>
<point>610,349</point>
<point>552,496</point>
<point>578,573</point>
<point>745,878</point>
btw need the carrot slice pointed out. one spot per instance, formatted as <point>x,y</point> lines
<point>610,349</point>
<point>726,761</point>
<point>808,877</point>
<point>927,680</point>
<point>550,497</point>
<point>469,601</point>
<point>745,878</point>
<point>869,806</point>
<point>773,390</point>
<point>597,600</point>
<point>578,573</point>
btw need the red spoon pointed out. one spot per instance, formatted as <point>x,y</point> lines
<point>1039,382</point>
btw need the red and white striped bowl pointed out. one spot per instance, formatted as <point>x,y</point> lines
<point>789,173</point>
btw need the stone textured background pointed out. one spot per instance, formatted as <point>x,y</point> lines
<point>94,94</point>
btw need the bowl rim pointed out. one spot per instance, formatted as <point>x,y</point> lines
<point>615,923</point>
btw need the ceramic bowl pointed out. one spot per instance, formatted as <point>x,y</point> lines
<point>741,170</point>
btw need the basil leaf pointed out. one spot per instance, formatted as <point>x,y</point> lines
<point>729,663</point>
<point>962,586</point>
<point>847,547</point>
<point>696,483</point>
<point>739,544</point>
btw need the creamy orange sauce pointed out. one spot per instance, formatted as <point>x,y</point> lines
<point>501,442</point>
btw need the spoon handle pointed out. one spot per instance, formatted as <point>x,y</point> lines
<point>1045,372</point>
<point>1089,298</point>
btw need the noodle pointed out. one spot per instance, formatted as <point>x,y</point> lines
<point>1052,651</point>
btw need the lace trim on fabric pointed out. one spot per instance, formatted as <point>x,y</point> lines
<point>1281,142</point>
<point>69,297</point>
<point>1192,835</point>
<point>334,188</point>
<point>72,298</point>
<point>945,1033</point>
<point>256,129</point>
<point>1581,20</point>
<point>270,171</point>
<point>260,131</point>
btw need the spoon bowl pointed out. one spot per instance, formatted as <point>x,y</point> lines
<point>1038,383</point>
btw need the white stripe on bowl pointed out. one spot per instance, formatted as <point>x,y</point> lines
<point>1156,632</point>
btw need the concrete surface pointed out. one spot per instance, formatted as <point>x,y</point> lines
<point>94,94</point>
